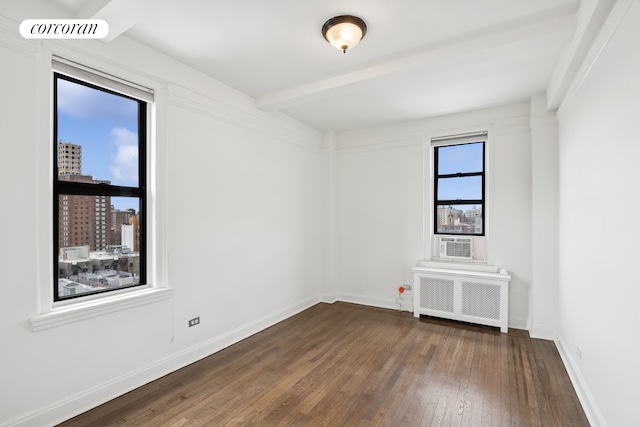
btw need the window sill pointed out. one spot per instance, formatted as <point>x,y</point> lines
<point>458,265</point>
<point>85,310</point>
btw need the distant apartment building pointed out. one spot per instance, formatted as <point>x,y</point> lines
<point>83,220</point>
<point>448,215</point>
<point>135,223</point>
<point>473,213</point>
<point>442,215</point>
<point>69,159</point>
<point>118,219</point>
<point>474,218</point>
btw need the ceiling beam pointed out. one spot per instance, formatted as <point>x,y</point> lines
<point>556,26</point>
<point>598,22</point>
<point>121,15</point>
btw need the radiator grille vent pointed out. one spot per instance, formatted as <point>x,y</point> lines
<point>436,294</point>
<point>481,300</point>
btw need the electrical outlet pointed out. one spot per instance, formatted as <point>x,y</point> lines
<point>407,287</point>
<point>579,353</point>
<point>195,321</point>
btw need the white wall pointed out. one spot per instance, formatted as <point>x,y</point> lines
<point>240,217</point>
<point>599,251</point>
<point>379,204</point>
<point>381,178</point>
<point>544,232</point>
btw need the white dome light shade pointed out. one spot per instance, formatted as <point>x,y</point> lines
<point>344,32</point>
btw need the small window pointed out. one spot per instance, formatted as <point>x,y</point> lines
<point>105,130</point>
<point>459,185</point>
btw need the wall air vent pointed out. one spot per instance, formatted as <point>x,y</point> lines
<point>460,248</point>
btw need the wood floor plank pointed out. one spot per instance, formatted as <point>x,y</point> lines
<point>350,365</point>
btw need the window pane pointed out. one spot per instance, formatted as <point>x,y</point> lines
<point>99,243</point>
<point>459,219</point>
<point>463,188</point>
<point>97,135</point>
<point>460,158</point>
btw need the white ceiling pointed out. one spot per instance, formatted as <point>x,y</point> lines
<point>419,58</point>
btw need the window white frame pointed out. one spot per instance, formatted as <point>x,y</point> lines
<point>431,240</point>
<point>52,314</point>
<point>65,72</point>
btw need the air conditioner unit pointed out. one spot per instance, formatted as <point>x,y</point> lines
<point>456,248</point>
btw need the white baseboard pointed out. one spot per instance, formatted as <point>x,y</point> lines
<point>328,298</point>
<point>390,303</point>
<point>543,332</point>
<point>82,402</point>
<point>407,305</point>
<point>517,322</point>
<point>579,384</point>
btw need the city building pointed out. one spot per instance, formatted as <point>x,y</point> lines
<point>69,159</point>
<point>119,218</point>
<point>114,268</point>
<point>82,220</point>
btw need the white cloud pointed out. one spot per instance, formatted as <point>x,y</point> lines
<point>124,166</point>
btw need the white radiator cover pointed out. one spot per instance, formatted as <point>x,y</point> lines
<point>467,295</point>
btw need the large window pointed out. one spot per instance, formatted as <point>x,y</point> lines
<point>459,185</point>
<point>99,183</point>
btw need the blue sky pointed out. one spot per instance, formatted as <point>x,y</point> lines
<point>106,126</point>
<point>460,158</point>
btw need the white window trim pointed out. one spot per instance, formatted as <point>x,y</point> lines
<point>52,314</point>
<point>429,181</point>
<point>82,309</point>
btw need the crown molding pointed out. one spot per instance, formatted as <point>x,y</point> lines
<point>11,39</point>
<point>186,98</point>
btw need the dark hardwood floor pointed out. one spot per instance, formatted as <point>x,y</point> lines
<point>351,365</point>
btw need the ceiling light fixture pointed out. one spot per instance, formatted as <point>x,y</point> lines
<point>344,31</point>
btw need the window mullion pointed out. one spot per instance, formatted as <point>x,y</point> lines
<point>89,189</point>
<point>460,202</point>
<point>460,175</point>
